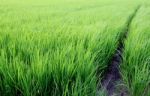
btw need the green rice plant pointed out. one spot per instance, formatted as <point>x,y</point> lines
<point>136,65</point>
<point>52,48</point>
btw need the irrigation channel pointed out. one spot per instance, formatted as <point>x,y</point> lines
<point>112,76</point>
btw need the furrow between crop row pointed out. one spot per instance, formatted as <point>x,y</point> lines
<point>112,76</point>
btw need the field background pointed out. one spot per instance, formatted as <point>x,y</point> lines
<point>63,47</point>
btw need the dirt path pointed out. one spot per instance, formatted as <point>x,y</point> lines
<point>112,76</point>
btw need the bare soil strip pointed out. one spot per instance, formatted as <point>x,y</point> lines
<point>112,76</point>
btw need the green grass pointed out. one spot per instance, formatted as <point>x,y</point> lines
<point>136,60</point>
<point>56,48</point>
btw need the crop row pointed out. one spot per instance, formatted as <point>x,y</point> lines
<point>136,58</point>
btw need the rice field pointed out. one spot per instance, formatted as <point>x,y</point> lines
<point>64,47</point>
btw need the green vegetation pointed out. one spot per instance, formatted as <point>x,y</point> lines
<point>136,60</point>
<point>57,48</point>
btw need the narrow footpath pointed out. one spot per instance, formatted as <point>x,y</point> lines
<point>112,76</point>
